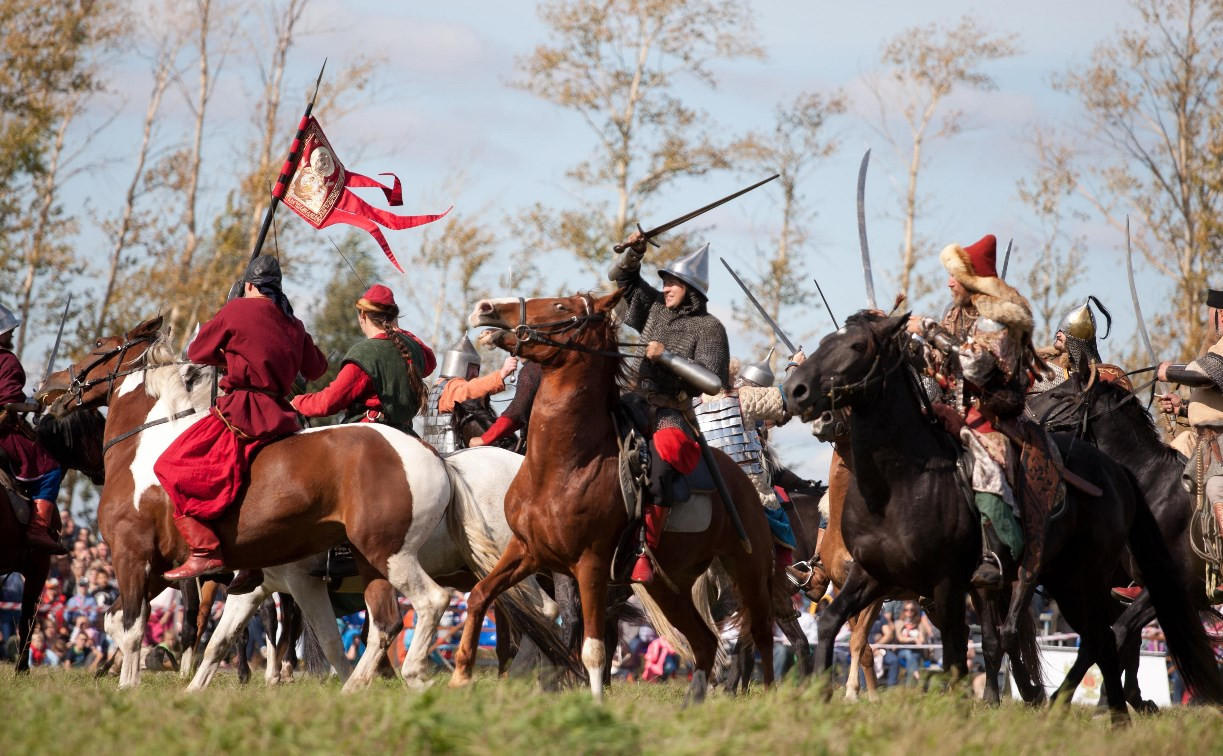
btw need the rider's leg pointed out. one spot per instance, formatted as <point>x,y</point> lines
<point>43,531</point>
<point>205,548</point>
<point>1001,542</point>
<point>675,453</point>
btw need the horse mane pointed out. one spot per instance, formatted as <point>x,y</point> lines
<point>165,377</point>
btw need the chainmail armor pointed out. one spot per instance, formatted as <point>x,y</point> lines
<point>1212,365</point>
<point>688,331</point>
<point>1078,347</point>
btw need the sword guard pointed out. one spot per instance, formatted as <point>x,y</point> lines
<point>648,240</point>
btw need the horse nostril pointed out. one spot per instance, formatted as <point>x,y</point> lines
<point>485,307</point>
<point>799,391</point>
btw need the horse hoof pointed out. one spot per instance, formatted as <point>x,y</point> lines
<point>1147,707</point>
<point>459,680</point>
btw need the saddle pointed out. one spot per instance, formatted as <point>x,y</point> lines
<point>638,457</point>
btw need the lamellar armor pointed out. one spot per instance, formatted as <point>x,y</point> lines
<point>439,426</point>
<point>721,423</point>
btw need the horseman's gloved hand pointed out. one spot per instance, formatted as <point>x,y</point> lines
<point>509,366</point>
<point>796,359</point>
<point>948,416</point>
<point>654,350</point>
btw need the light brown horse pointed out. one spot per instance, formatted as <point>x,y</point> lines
<point>565,506</point>
<point>381,489</point>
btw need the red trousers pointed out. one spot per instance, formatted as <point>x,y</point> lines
<point>203,469</point>
<point>679,451</point>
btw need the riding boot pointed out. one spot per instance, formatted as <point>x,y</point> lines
<point>40,534</point>
<point>988,574</point>
<point>205,547</point>
<point>245,581</point>
<point>655,519</point>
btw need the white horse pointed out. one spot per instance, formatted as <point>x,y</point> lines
<point>471,537</point>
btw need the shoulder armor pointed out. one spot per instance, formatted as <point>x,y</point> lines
<point>986,325</point>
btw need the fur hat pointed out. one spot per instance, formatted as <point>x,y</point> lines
<point>974,268</point>
<point>377,298</point>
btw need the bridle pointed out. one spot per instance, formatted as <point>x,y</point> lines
<point>1077,410</point>
<point>544,333</point>
<point>80,383</point>
<point>873,381</point>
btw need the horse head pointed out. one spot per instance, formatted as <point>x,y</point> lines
<point>88,382</point>
<point>549,330</point>
<point>1087,394</point>
<point>847,365</point>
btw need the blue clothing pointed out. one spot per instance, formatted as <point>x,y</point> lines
<point>779,524</point>
<point>45,486</point>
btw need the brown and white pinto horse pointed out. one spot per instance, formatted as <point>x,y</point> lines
<point>381,489</point>
<point>565,506</point>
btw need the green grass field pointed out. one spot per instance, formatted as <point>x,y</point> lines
<point>55,711</point>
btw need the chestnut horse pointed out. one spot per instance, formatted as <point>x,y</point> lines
<point>565,505</point>
<point>381,489</point>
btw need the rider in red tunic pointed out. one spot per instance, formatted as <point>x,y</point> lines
<point>263,348</point>
<point>37,473</point>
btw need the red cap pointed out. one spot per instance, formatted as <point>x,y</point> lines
<point>984,257</point>
<point>380,296</point>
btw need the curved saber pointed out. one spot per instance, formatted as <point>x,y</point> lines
<point>1142,326</point>
<point>55,349</point>
<point>866,250</point>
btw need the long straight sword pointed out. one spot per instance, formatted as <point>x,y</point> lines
<point>759,308</point>
<point>648,235</point>
<point>820,289</point>
<point>866,250</point>
<point>58,336</point>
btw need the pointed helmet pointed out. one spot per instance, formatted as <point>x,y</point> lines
<point>458,358</point>
<point>8,321</point>
<point>1080,322</point>
<point>692,270</point>
<point>758,373</point>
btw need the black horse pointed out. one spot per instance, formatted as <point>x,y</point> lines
<point>908,523</point>
<point>1110,417</point>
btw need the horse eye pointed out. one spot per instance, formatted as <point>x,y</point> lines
<point>559,305</point>
<point>98,344</point>
<point>858,347</point>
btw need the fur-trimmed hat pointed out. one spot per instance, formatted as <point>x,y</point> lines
<point>974,267</point>
<point>378,298</point>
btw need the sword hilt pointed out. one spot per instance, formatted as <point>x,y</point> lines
<point>619,248</point>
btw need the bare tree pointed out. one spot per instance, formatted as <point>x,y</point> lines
<point>1151,146</point>
<point>794,148</point>
<point>925,66</point>
<point>620,65</point>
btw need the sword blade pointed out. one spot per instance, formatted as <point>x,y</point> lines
<point>866,250</point>
<point>58,336</point>
<point>1129,270</point>
<point>820,289</point>
<point>759,308</point>
<point>1006,260</point>
<point>701,211</point>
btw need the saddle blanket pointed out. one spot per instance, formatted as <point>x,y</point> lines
<point>692,516</point>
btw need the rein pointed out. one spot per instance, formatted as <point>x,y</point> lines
<point>145,426</point>
<point>542,333</point>
<point>876,377</point>
<point>78,386</point>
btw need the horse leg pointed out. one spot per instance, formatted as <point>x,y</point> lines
<point>208,596</point>
<point>238,612</point>
<point>513,567</point>
<point>272,630</point>
<point>861,655</point>
<point>133,585</point>
<point>190,590</point>
<point>591,576</point>
<point>802,648</point>
<point>311,596</point>
<point>37,568</point>
<point>430,601</point>
<point>949,603</point>
<point>381,613</point>
<point>1128,629</point>
<point>290,632</point>
<point>859,591</point>
<point>991,645</point>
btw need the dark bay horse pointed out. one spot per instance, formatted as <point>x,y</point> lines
<point>908,524</point>
<point>565,506</point>
<point>76,445</point>
<point>383,490</point>
<point>1110,417</point>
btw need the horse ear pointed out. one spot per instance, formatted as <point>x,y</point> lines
<point>148,327</point>
<point>609,302</point>
<point>897,324</point>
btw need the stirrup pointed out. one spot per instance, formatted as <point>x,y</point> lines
<point>798,568</point>
<point>979,581</point>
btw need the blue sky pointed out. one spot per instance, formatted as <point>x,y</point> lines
<point>441,107</point>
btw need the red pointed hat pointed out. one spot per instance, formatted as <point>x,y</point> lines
<point>377,297</point>
<point>984,256</point>
<point>975,268</point>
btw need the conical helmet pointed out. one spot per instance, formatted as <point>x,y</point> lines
<point>758,373</point>
<point>8,321</point>
<point>1080,322</point>
<point>458,358</point>
<point>692,269</point>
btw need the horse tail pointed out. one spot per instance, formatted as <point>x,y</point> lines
<point>465,524</point>
<point>1188,644</point>
<point>313,658</point>
<point>701,590</point>
<point>1029,650</point>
